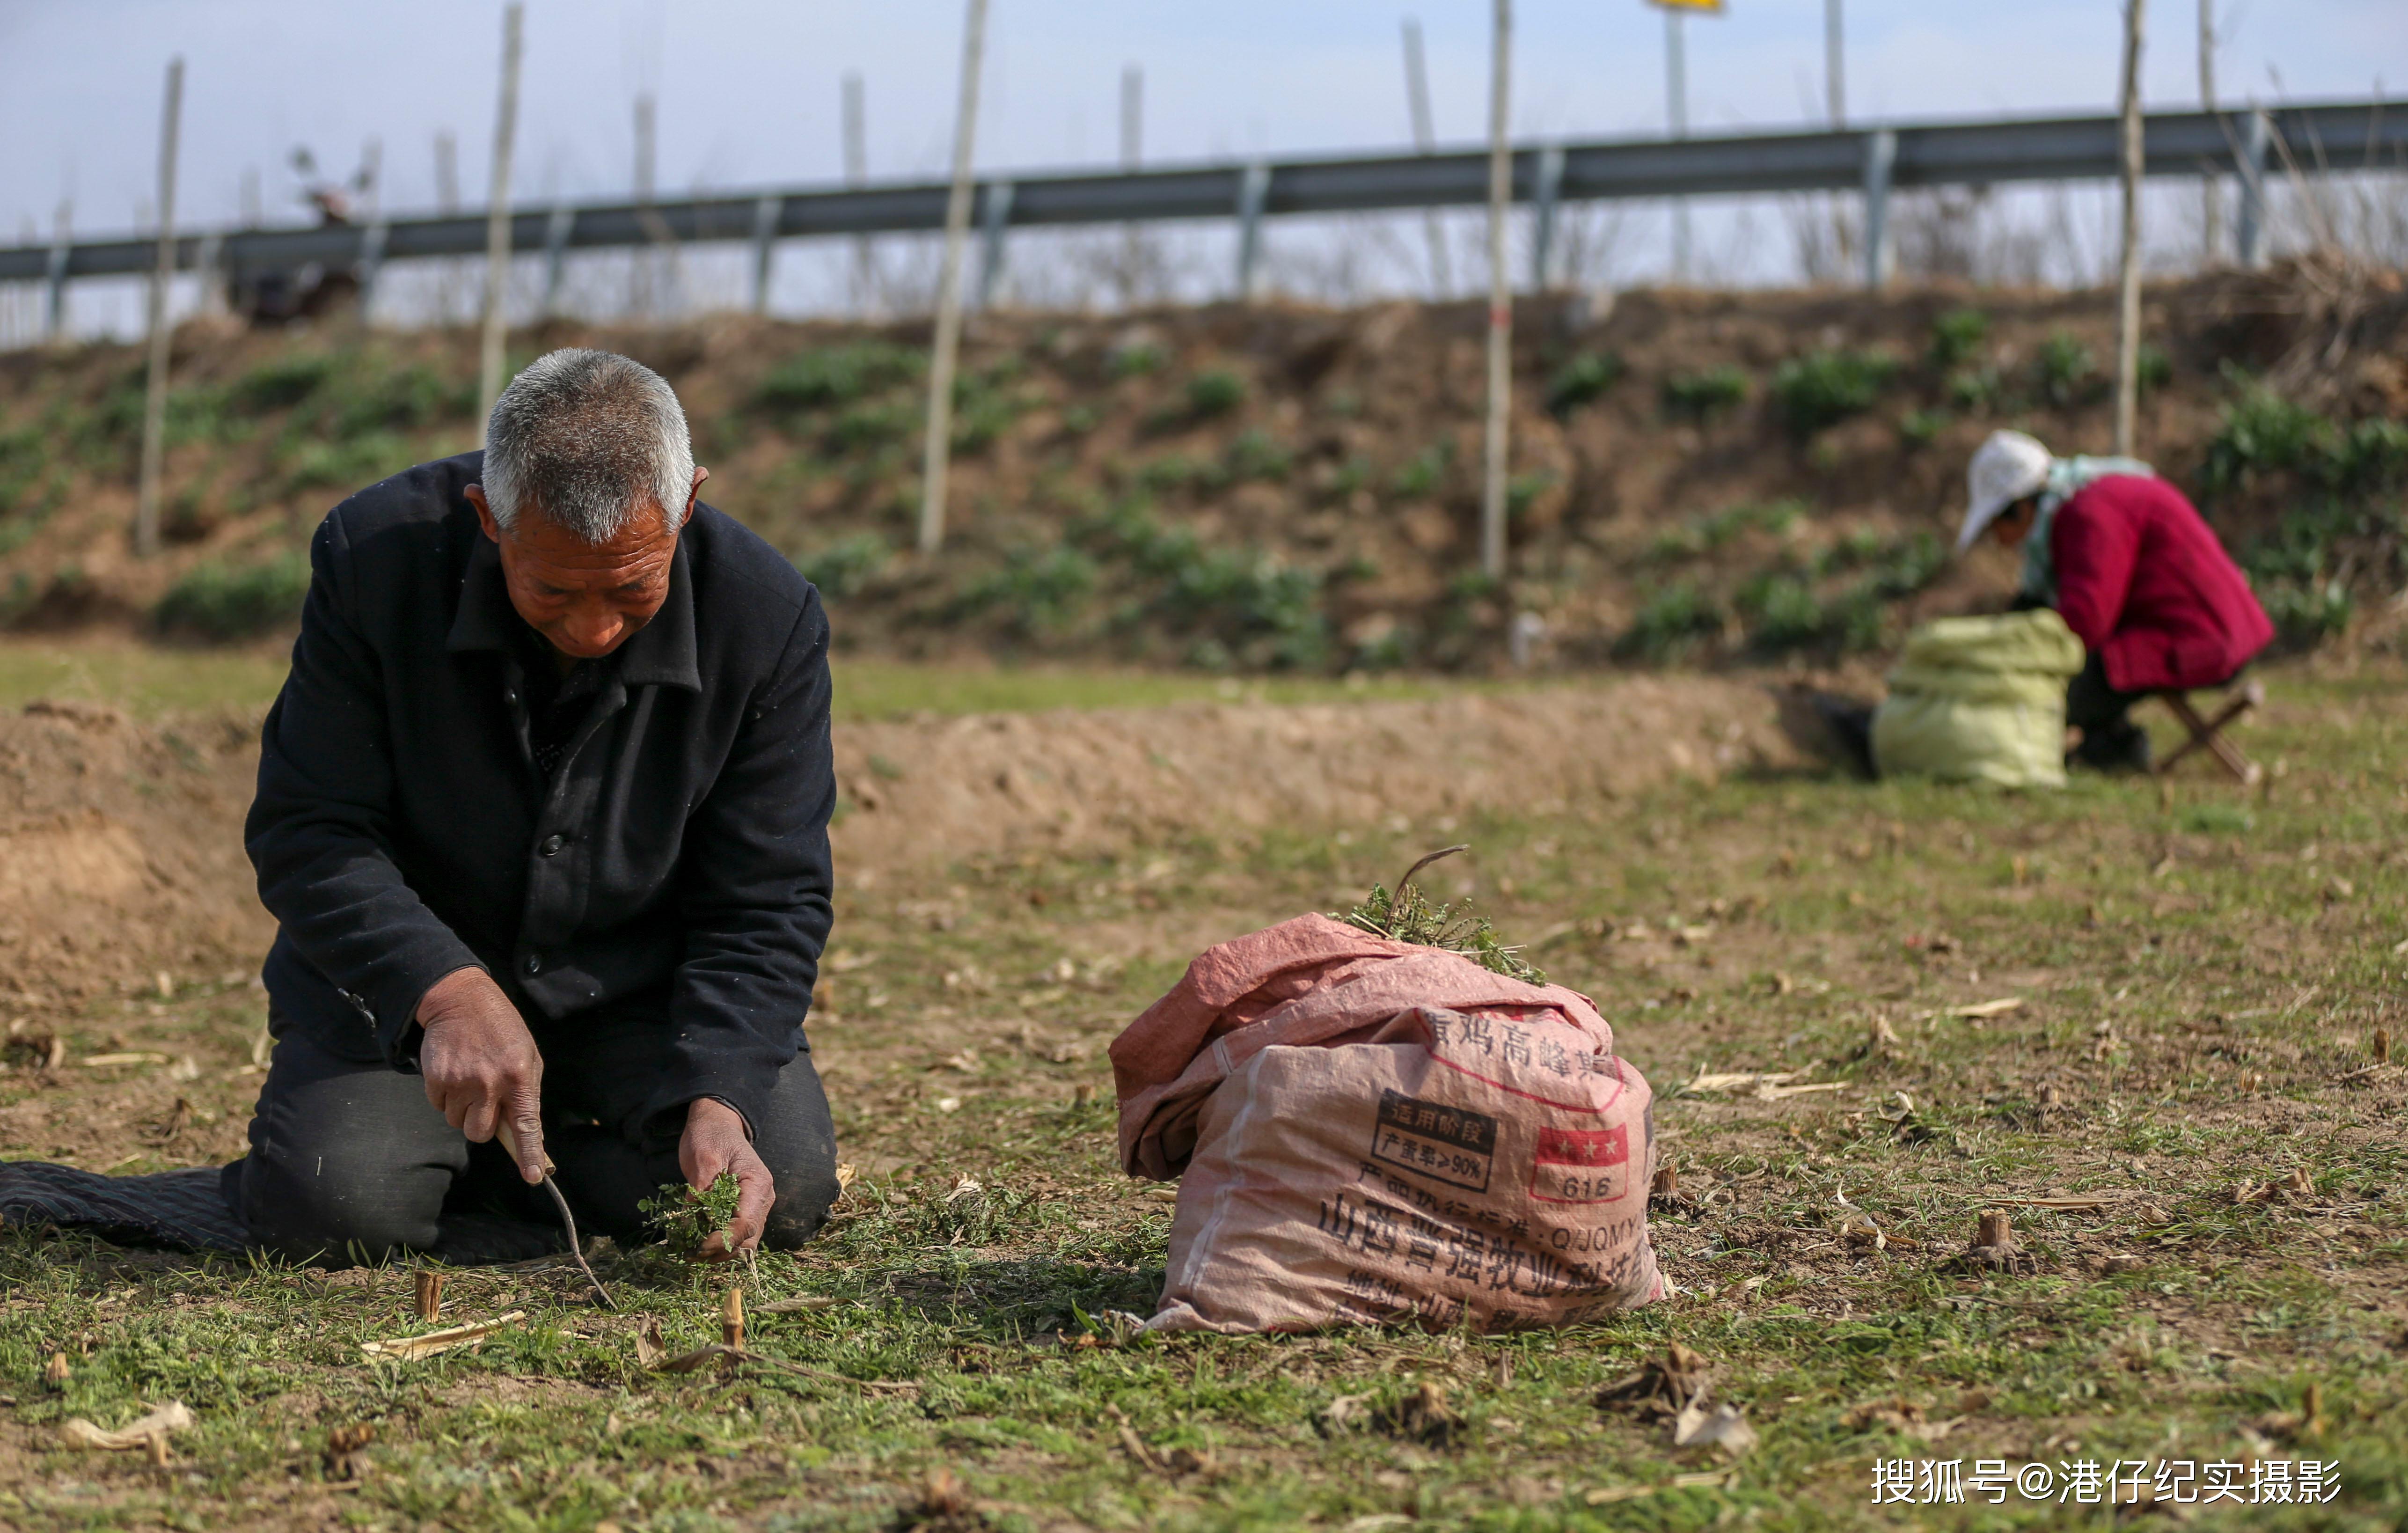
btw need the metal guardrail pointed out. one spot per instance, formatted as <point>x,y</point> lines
<point>2308,138</point>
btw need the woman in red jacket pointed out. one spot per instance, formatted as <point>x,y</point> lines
<point>2133,570</point>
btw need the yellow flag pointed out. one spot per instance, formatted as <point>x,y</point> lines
<point>1715,6</point>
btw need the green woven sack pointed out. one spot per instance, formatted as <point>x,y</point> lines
<point>1980,700</point>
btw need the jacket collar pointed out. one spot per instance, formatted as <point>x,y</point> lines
<point>662,653</point>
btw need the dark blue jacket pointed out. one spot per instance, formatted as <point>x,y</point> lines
<point>677,864</point>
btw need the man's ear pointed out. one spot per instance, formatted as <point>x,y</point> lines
<point>694,497</point>
<point>476,493</point>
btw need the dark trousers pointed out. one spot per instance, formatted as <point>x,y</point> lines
<point>2110,739</point>
<point>350,1160</point>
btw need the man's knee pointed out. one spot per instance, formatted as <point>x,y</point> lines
<point>341,1209</point>
<point>805,1195</point>
<point>798,1143</point>
<point>348,1161</point>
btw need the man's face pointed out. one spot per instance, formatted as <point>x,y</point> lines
<point>585,598</point>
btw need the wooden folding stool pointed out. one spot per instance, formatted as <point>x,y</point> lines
<point>2210,732</point>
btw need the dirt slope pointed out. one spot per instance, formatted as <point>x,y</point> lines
<point>1695,475</point>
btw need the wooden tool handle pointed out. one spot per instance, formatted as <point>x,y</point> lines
<point>510,1144</point>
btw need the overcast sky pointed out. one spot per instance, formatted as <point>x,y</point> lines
<point>749,89</point>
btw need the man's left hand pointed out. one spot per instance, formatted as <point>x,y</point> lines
<point>715,1141</point>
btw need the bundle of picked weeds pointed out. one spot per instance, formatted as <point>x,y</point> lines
<point>686,1220</point>
<point>1409,916</point>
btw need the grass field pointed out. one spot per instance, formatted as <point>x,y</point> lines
<point>147,681</point>
<point>2203,976</point>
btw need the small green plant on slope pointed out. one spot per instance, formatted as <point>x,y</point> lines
<point>1672,622</point>
<point>1823,387</point>
<point>1697,535</point>
<point>1039,590</point>
<point>1703,395</point>
<point>2264,432</point>
<point>1956,335</point>
<point>1422,474</point>
<point>283,382</point>
<point>1583,379</point>
<point>1215,391</point>
<point>846,564</point>
<point>2067,373</point>
<point>831,375</point>
<point>216,602</point>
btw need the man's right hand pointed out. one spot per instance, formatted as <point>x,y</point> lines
<point>480,1064</point>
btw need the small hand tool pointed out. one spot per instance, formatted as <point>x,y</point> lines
<point>568,1220</point>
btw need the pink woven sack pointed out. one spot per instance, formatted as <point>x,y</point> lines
<point>1365,1130</point>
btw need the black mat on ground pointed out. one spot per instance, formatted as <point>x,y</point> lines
<point>183,1210</point>
<point>186,1210</point>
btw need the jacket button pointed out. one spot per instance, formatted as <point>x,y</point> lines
<point>535,962</point>
<point>552,845</point>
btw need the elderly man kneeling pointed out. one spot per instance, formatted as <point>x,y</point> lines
<point>542,817</point>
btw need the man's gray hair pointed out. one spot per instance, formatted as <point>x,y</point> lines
<point>589,439</point>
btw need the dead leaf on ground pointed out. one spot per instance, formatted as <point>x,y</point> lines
<point>141,1433</point>
<point>943,1505</point>
<point>2065,1205</point>
<point>1764,1085</point>
<point>33,1051</point>
<point>409,1349</point>
<point>1420,1416</point>
<point>649,1346</point>
<point>1608,1495</point>
<point>344,1456</point>
<point>806,1304</point>
<point>1983,1009</point>
<point>1901,1416</point>
<point>1346,1413</point>
<point>1721,1429</point>
<point>1662,1386</point>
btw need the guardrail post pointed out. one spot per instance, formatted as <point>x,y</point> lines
<point>764,247</point>
<point>2256,135</point>
<point>556,255</point>
<point>994,217</point>
<point>1546,196</point>
<point>1251,189</point>
<point>1881,157</point>
<point>55,277</point>
<point>204,267</point>
<point>371,265</point>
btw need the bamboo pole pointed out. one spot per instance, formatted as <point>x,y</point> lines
<point>498,223</point>
<point>857,175</point>
<point>1500,299</point>
<point>2210,185</point>
<point>640,297</point>
<point>2128,309</point>
<point>154,391</point>
<point>1676,113</point>
<point>936,456</point>
<point>1835,64</point>
<point>1426,141</point>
